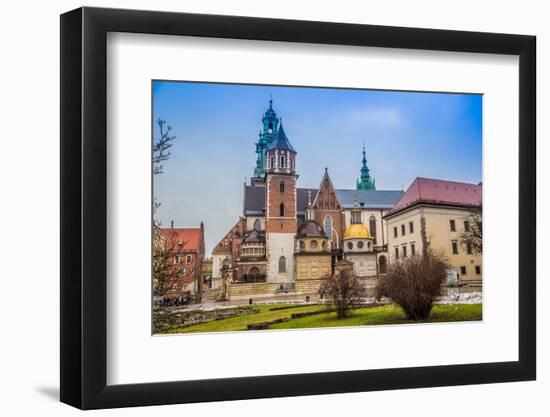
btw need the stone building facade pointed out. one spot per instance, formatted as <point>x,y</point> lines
<point>182,259</point>
<point>289,238</point>
<point>437,213</point>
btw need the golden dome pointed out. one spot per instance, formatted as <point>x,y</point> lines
<point>357,231</point>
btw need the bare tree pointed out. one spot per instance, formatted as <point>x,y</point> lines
<point>161,153</point>
<point>345,290</point>
<point>472,236</point>
<point>161,146</point>
<point>166,271</point>
<point>414,283</point>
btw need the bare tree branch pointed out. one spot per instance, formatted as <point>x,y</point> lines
<point>472,237</point>
<point>161,146</point>
<point>345,290</point>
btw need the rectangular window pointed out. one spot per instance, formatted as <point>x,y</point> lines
<point>453,226</point>
<point>463,270</point>
<point>411,227</point>
<point>395,232</point>
<point>402,230</point>
<point>466,226</point>
<point>455,247</point>
<point>413,249</point>
<point>405,251</point>
<point>189,259</point>
<point>469,248</point>
<point>396,253</point>
<point>478,270</point>
<point>176,259</point>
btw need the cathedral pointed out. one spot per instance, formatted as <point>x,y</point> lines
<point>289,238</point>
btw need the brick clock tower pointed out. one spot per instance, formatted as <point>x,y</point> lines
<point>281,220</point>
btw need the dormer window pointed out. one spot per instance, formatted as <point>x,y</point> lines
<point>282,161</point>
<point>272,162</point>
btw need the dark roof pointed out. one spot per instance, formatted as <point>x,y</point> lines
<point>310,229</point>
<point>254,199</point>
<point>369,198</point>
<point>281,141</point>
<point>301,198</point>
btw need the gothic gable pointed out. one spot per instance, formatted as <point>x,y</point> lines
<point>326,198</point>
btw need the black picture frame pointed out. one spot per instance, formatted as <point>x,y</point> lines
<point>84,207</point>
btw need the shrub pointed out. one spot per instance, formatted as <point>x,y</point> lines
<point>345,291</point>
<point>414,283</point>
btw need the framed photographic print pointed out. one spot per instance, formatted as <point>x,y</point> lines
<point>258,208</point>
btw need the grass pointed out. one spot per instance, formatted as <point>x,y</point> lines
<point>241,322</point>
<point>387,314</point>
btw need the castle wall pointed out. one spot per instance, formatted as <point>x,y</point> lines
<point>364,264</point>
<point>277,245</point>
<point>313,266</point>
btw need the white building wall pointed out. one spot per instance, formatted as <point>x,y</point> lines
<point>364,264</point>
<point>250,220</point>
<point>217,263</point>
<point>277,245</point>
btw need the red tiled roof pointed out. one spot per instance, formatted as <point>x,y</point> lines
<point>224,245</point>
<point>190,237</point>
<point>432,191</point>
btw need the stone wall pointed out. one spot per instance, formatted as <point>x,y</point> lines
<point>165,319</point>
<point>250,290</point>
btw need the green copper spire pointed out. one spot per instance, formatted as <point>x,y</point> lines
<point>270,124</point>
<point>366,182</point>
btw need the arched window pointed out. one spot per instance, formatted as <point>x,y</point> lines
<point>254,273</point>
<point>328,227</point>
<point>282,161</point>
<point>372,227</point>
<point>257,225</point>
<point>282,210</point>
<point>282,264</point>
<point>282,187</point>
<point>382,262</point>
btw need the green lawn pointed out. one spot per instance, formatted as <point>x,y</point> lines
<point>388,314</point>
<point>240,322</point>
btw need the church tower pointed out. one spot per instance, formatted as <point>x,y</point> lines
<point>366,182</point>
<point>270,125</point>
<point>280,202</point>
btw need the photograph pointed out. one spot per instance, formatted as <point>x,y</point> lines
<point>298,207</point>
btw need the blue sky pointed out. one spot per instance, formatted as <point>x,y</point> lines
<point>406,134</point>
